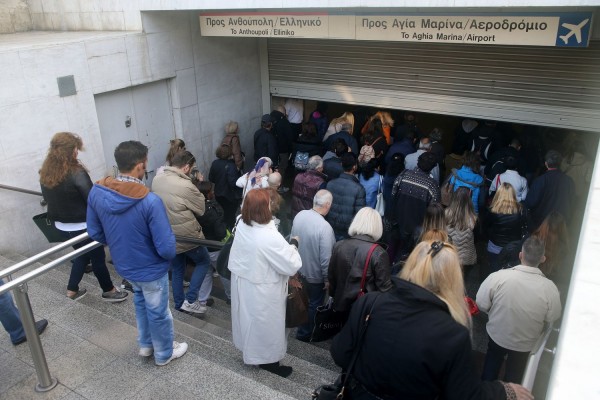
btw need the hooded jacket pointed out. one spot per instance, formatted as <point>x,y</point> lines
<point>134,224</point>
<point>184,203</point>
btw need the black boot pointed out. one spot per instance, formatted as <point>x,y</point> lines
<point>275,368</point>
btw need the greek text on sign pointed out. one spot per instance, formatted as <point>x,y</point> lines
<point>567,29</point>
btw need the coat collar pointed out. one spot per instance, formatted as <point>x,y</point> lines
<point>344,175</point>
<point>415,293</point>
<point>527,269</point>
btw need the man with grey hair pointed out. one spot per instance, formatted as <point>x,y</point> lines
<point>519,301</point>
<point>316,245</point>
<point>410,162</point>
<point>552,191</point>
<point>307,184</point>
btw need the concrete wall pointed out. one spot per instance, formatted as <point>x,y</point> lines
<point>14,16</point>
<point>212,81</point>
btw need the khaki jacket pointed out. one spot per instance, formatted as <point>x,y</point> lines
<point>183,202</point>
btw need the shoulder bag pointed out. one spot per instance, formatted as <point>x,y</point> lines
<point>380,204</point>
<point>337,390</point>
<point>223,258</point>
<point>296,310</point>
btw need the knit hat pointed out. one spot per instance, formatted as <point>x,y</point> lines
<point>426,162</point>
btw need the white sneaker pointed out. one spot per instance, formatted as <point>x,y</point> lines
<point>146,351</point>
<point>179,349</point>
<point>195,307</point>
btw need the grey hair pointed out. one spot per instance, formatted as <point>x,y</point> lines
<point>315,162</point>
<point>533,251</point>
<point>322,198</point>
<point>368,222</point>
<point>424,145</point>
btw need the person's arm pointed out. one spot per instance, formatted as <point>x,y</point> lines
<point>83,183</point>
<point>194,200</point>
<point>554,306</point>
<point>361,199</point>
<point>273,151</point>
<point>326,243</point>
<point>534,195</point>
<point>283,257</point>
<point>232,176</point>
<point>236,150</point>
<point>160,229</point>
<point>381,270</point>
<point>331,272</point>
<point>485,294</point>
<point>524,188</point>
<point>94,226</point>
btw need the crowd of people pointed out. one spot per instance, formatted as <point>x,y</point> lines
<point>372,208</point>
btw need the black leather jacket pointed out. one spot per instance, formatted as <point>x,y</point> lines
<point>346,268</point>
<point>67,201</point>
<point>506,228</point>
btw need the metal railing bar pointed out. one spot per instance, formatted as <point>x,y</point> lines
<point>43,269</point>
<point>534,358</point>
<point>25,263</point>
<point>17,189</point>
<point>213,244</point>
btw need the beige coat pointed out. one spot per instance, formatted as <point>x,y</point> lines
<point>183,202</point>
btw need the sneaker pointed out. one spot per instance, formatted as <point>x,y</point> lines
<point>115,297</point>
<point>79,295</point>
<point>186,283</point>
<point>125,284</point>
<point>195,307</point>
<point>179,350</point>
<point>146,351</point>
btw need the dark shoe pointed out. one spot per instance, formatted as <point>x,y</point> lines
<point>210,301</point>
<point>305,339</point>
<point>274,368</point>
<point>79,295</point>
<point>125,284</point>
<point>40,326</point>
<point>114,297</point>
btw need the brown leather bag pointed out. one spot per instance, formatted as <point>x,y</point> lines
<point>296,310</point>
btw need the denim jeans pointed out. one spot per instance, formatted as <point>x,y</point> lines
<point>200,257</point>
<point>10,318</point>
<point>154,319</point>
<point>516,361</point>
<point>96,257</point>
<point>316,296</point>
<point>206,287</point>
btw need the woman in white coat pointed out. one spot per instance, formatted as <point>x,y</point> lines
<point>261,261</point>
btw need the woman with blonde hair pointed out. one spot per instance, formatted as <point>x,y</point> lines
<point>461,219</point>
<point>506,222</point>
<point>349,257</point>
<point>418,341</point>
<point>336,124</point>
<point>65,186</point>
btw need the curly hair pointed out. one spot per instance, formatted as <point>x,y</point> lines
<point>61,160</point>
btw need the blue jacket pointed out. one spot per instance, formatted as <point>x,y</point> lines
<point>371,187</point>
<point>134,224</point>
<point>471,180</point>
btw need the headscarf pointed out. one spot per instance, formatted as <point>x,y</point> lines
<point>254,178</point>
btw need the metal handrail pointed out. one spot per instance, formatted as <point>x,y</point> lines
<point>213,244</point>
<point>25,263</point>
<point>43,202</point>
<point>535,356</point>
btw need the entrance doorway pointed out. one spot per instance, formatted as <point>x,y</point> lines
<point>142,113</point>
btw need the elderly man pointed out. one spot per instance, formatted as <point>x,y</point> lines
<point>184,203</point>
<point>518,301</point>
<point>315,247</point>
<point>410,162</point>
<point>307,184</point>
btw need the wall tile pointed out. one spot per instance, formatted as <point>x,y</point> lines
<point>133,20</point>
<point>107,61</point>
<point>72,21</point>
<point>112,21</point>
<point>35,6</point>
<point>161,56</point>
<point>91,21</point>
<point>186,87</point>
<point>138,58</point>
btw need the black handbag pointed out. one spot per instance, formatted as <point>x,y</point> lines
<point>48,229</point>
<point>337,390</point>
<point>327,323</point>
<point>223,258</point>
<point>296,310</point>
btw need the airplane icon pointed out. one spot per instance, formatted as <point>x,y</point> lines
<point>575,30</point>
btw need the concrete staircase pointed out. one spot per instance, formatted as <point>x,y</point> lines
<point>91,348</point>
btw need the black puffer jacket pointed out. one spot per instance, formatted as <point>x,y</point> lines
<point>348,198</point>
<point>224,174</point>
<point>211,222</point>
<point>67,201</point>
<point>506,228</point>
<point>346,268</point>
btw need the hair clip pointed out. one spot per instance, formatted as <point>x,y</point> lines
<point>435,248</point>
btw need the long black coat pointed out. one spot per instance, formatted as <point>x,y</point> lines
<point>412,349</point>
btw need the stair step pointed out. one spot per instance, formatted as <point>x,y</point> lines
<point>209,338</point>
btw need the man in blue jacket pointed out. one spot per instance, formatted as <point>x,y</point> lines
<point>132,221</point>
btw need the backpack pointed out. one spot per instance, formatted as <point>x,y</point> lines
<point>367,152</point>
<point>301,160</point>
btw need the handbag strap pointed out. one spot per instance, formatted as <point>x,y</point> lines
<point>363,281</point>
<point>361,335</point>
<point>380,183</point>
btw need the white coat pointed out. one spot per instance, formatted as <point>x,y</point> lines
<point>261,261</point>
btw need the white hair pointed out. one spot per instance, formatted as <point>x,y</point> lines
<point>315,162</point>
<point>367,221</point>
<point>322,198</point>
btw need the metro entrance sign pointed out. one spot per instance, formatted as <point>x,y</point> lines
<point>554,29</point>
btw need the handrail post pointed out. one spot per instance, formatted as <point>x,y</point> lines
<point>45,381</point>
